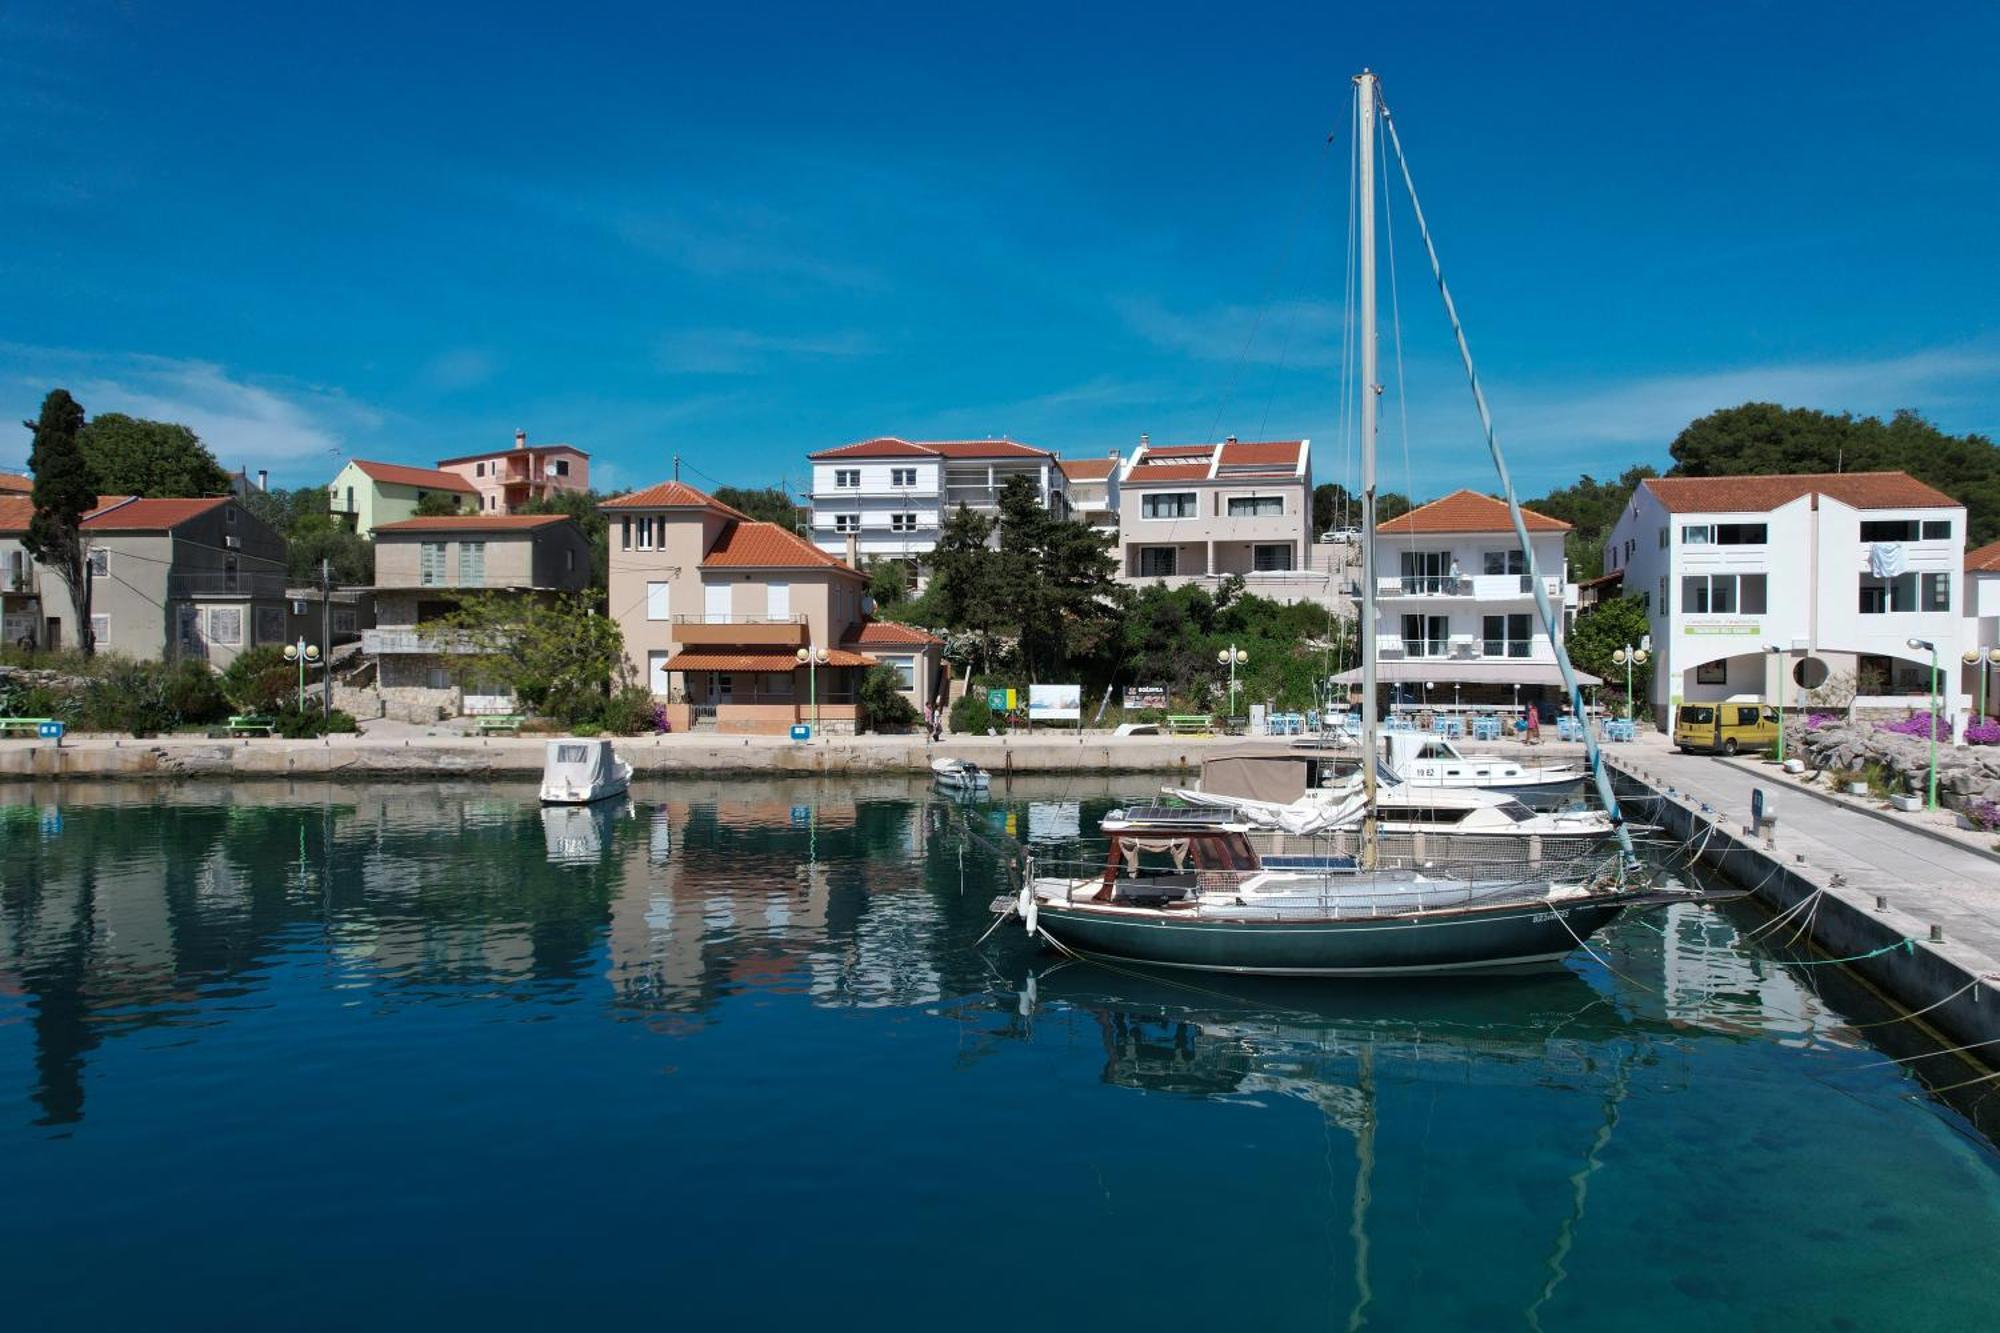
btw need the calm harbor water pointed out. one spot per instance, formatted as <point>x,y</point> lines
<point>425,1057</point>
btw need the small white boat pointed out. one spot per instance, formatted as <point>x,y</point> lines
<point>1427,761</point>
<point>578,772</point>
<point>960,775</point>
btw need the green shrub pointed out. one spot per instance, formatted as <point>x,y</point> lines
<point>341,724</point>
<point>971,714</point>
<point>261,681</point>
<point>882,701</point>
<point>127,696</point>
<point>194,693</point>
<point>586,729</point>
<point>630,712</point>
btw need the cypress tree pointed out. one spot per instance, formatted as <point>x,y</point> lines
<point>65,491</point>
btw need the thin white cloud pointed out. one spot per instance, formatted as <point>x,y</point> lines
<point>1290,333</point>
<point>244,423</point>
<point>458,369</point>
<point>744,351</point>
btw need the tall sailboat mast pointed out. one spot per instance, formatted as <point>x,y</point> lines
<point>1364,186</point>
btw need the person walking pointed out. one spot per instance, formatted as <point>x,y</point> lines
<point>1534,725</point>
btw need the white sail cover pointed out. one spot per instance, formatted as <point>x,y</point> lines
<point>580,769</point>
<point>1304,818</point>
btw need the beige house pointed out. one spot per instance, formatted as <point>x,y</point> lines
<point>506,479</point>
<point>744,626</point>
<point>425,567</point>
<point>1200,513</point>
<point>169,579</point>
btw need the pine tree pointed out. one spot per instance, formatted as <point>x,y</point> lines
<point>65,491</point>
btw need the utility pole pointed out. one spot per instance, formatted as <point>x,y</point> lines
<point>677,467</point>
<point>326,635</point>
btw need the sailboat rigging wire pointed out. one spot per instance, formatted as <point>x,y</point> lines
<point>1594,755</point>
<point>1396,334</point>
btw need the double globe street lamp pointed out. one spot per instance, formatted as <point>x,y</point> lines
<point>1629,657</point>
<point>1926,646</point>
<point>302,653</point>
<point>812,659</point>
<point>1232,657</point>
<point>1985,660</point>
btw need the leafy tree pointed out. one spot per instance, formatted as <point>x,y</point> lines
<point>888,582</point>
<point>1335,506</point>
<point>883,703</point>
<point>766,504</point>
<point>583,507</point>
<point>154,459</point>
<point>440,504</point>
<point>1057,587</point>
<point>304,518</point>
<point>259,680</point>
<point>559,655</point>
<point>65,490</point>
<point>1604,629</point>
<point>1768,438</point>
<point>1591,508</point>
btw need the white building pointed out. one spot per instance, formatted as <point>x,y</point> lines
<point>887,498</point>
<point>1091,485</point>
<point>1980,626</point>
<point>1844,567</point>
<point>1200,513</point>
<point>1456,620</point>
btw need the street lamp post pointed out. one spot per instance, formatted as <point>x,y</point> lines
<point>1232,657</point>
<point>812,659</point>
<point>1985,660</point>
<point>302,653</point>
<point>1775,650</point>
<point>1628,657</point>
<point>1926,646</point>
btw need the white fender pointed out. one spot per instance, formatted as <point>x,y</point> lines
<point>1031,909</point>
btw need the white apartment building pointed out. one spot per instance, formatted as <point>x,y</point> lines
<point>1091,485</point>
<point>1980,630</point>
<point>1744,576</point>
<point>888,498</point>
<point>1200,513</point>
<point>1456,620</point>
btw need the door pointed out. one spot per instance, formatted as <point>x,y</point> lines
<point>52,634</point>
<point>656,671</point>
<point>715,603</point>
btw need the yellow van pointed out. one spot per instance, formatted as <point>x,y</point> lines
<point>1744,723</point>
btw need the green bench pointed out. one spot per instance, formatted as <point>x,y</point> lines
<point>25,726</point>
<point>507,722</point>
<point>252,724</point>
<point>1182,724</point>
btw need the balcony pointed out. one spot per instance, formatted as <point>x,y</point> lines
<point>411,640</point>
<point>223,583</point>
<point>720,631</point>
<point>1476,588</point>
<point>20,581</point>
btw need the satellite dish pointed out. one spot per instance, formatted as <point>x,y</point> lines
<point>548,467</point>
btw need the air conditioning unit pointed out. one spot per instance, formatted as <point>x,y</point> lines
<point>233,543</point>
<point>1464,646</point>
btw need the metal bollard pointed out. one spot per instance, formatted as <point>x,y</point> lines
<point>1937,934</point>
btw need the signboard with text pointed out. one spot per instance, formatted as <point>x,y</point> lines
<point>1146,696</point>
<point>1000,701</point>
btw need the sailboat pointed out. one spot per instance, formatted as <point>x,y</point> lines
<point>1217,907</point>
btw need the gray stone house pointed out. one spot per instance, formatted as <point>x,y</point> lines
<point>424,567</point>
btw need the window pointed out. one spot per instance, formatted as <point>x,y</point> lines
<point>343,620</point>
<point>229,514</point>
<point>350,499</point>
<point>1712,673</point>
<point>430,565</point>
<point>645,525</point>
<point>847,522</point>
<point>100,629</point>
<point>1937,530</point>
<point>229,570</point>
<point>1508,635</point>
<point>1169,504</point>
<point>902,522</point>
<point>847,478</point>
<point>1504,562</point>
<point>562,467</point>
<point>1271,559</point>
<point>100,562</point>
<point>569,562</point>
<point>479,469</point>
<point>1936,592</point>
<point>625,534</point>
<point>902,476</point>
<point>1696,534</point>
<point>269,624</point>
<point>657,601</point>
<point>1256,506</point>
<point>1723,594</point>
<point>438,678</point>
<point>1889,530</point>
<point>1429,571</point>
<point>725,686</point>
<point>1887,596</point>
<point>905,669</point>
<point>1158,561</point>
<point>225,625</point>
<point>472,564</point>
<point>1663,539</point>
<point>1426,636</point>
<point>1741,534</point>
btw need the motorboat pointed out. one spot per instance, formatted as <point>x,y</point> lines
<point>1182,887</point>
<point>960,775</point>
<point>577,834</point>
<point>1426,761</point>
<point>578,771</point>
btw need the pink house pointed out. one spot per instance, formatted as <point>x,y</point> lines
<point>508,478</point>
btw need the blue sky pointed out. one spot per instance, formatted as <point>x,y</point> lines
<point>402,231</point>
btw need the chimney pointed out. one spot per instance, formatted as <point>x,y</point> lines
<point>263,479</point>
<point>1114,453</point>
<point>520,439</point>
<point>1144,439</point>
<point>854,550</point>
<point>1230,440</point>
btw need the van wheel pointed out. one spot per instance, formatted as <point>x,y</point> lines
<point>1729,747</point>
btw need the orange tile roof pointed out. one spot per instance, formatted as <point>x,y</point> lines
<point>1246,453</point>
<point>1466,511</point>
<point>749,545</point>
<point>506,449</point>
<point>15,484</point>
<point>1985,560</point>
<point>871,633</point>
<point>722,659</point>
<point>150,515</point>
<point>1759,494</point>
<point>15,511</point>
<point>473,523</point>
<point>1088,469</point>
<point>671,495</point>
<point>889,446</point>
<point>398,475</point>
<point>1179,450</point>
<point>1147,474</point>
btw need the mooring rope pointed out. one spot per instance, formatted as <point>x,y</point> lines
<point>1934,1004</point>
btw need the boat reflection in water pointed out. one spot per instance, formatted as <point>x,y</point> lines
<point>579,834</point>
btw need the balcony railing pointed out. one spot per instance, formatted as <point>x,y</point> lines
<point>18,580</point>
<point>415,641</point>
<point>222,583</point>
<point>1479,587</point>
<point>724,618</point>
